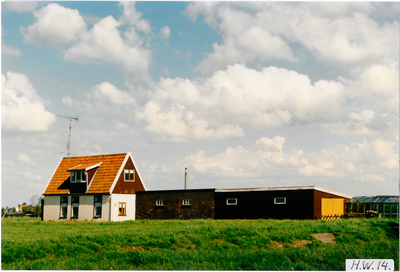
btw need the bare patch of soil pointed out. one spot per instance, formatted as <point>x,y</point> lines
<point>324,237</point>
<point>275,244</point>
<point>300,243</point>
<point>134,248</point>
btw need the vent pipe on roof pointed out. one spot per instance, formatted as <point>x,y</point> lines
<point>185,178</point>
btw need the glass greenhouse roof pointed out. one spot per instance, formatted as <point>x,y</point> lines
<point>375,199</point>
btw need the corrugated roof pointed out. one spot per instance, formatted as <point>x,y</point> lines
<point>102,181</point>
<point>375,199</point>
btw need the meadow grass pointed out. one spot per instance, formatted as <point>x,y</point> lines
<point>194,244</point>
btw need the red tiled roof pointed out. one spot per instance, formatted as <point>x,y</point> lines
<point>102,181</point>
<point>82,166</point>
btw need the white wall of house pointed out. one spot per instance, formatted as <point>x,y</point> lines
<point>51,209</point>
<point>130,204</point>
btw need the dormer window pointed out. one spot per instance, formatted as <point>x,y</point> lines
<point>78,176</point>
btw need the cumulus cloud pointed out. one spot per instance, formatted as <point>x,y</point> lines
<point>20,6</point>
<point>54,25</point>
<point>131,17</point>
<point>165,32</point>
<point>267,98</point>
<point>367,161</point>
<point>179,124</point>
<point>22,109</point>
<point>343,35</point>
<point>104,44</point>
<point>103,99</point>
<point>10,51</point>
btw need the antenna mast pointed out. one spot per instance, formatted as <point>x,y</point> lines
<point>69,135</point>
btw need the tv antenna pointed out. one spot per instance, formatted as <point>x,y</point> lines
<point>69,135</point>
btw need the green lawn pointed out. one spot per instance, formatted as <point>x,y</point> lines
<point>194,244</point>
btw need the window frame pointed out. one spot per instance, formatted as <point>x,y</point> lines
<point>160,202</point>
<point>74,204</point>
<point>232,198</point>
<point>131,175</point>
<point>97,204</point>
<point>123,205</point>
<point>280,203</point>
<point>63,204</point>
<point>74,177</point>
<point>186,202</point>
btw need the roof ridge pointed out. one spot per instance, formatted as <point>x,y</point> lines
<point>98,155</point>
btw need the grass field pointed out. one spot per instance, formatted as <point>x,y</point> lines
<point>195,244</point>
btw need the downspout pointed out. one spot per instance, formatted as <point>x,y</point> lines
<point>110,209</point>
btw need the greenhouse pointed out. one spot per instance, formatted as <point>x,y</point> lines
<point>382,206</point>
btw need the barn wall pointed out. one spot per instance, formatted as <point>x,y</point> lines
<point>202,204</point>
<point>318,195</point>
<point>260,204</point>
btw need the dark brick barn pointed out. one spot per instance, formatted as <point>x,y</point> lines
<point>306,202</point>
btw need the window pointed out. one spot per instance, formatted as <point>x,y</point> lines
<point>160,202</point>
<point>129,175</point>
<point>231,201</point>
<point>75,206</point>
<point>78,176</point>
<point>187,202</point>
<point>63,206</point>
<point>97,206</point>
<point>280,200</point>
<point>121,208</point>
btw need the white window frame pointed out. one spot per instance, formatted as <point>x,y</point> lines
<point>284,202</point>
<point>160,202</point>
<point>129,172</point>
<point>64,205</point>
<point>121,208</point>
<point>186,202</point>
<point>74,205</point>
<point>228,199</point>
<point>98,204</point>
<point>74,177</point>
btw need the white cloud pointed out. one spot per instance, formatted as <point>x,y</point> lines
<point>165,32</point>
<point>22,109</point>
<point>103,44</point>
<point>25,160</point>
<point>20,6</point>
<point>104,99</point>
<point>54,25</point>
<point>344,35</point>
<point>10,51</point>
<point>178,124</point>
<point>266,98</point>
<point>369,161</point>
<point>131,17</point>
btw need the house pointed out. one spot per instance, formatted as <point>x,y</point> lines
<point>100,187</point>
<point>300,202</point>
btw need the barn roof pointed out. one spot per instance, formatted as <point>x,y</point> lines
<point>285,189</point>
<point>108,168</point>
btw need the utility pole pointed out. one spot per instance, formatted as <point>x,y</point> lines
<point>69,135</point>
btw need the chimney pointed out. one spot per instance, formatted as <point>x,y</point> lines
<point>185,178</point>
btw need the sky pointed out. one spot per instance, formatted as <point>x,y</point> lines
<point>243,94</point>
